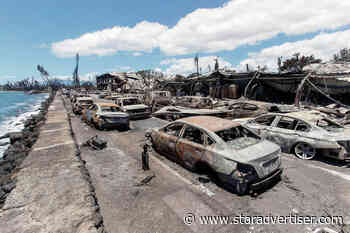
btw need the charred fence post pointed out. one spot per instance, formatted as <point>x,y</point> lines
<point>145,157</point>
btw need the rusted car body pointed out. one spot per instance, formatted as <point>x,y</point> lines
<point>134,107</point>
<point>238,156</point>
<point>172,113</point>
<point>305,133</point>
<point>106,115</point>
<point>193,102</point>
<point>81,103</point>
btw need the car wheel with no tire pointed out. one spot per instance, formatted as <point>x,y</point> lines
<point>304,151</point>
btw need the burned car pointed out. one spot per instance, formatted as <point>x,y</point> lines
<point>305,133</point>
<point>193,102</point>
<point>237,156</point>
<point>75,96</point>
<point>134,107</point>
<point>172,113</point>
<point>81,103</point>
<point>251,108</point>
<point>106,115</point>
<point>157,99</point>
<point>244,109</point>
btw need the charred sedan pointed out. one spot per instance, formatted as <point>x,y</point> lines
<point>238,156</point>
<point>306,134</point>
<point>82,103</point>
<point>134,107</point>
<point>106,115</point>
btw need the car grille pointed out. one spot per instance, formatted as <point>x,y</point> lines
<point>345,144</point>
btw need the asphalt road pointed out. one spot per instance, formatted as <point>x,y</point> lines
<point>307,188</point>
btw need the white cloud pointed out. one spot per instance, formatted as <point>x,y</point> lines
<point>236,23</point>
<point>44,46</point>
<point>141,37</point>
<point>137,54</point>
<point>321,46</point>
<point>186,65</point>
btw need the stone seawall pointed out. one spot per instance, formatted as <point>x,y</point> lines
<point>53,192</point>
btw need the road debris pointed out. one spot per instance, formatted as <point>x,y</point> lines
<point>96,143</point>
<point>146,180</point>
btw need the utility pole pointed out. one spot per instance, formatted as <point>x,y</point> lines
<point>76,81</point>
<point>196,63</point>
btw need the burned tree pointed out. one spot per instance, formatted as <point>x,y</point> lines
<point>342,56</point>
<point>297,63</point>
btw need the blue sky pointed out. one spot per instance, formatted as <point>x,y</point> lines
<point>164,35</point>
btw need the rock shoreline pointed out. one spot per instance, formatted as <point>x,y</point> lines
<point>19,148</point>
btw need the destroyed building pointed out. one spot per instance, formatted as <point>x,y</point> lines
<point>127,82</point>
<point>113,81</point>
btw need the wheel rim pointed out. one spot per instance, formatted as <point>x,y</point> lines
<point>304,151</point>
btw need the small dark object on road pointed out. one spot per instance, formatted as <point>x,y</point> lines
<point>203,180</point>
<point>145,157</point>
<point>146,180</point>
<point>96,143</point>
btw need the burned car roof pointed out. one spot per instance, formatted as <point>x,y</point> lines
<point>210,123</point>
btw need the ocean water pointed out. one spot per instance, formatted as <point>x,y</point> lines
<point>15,108</point>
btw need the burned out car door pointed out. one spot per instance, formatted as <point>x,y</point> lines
<point>167,138</point>
<point>191,146</point>
<point>262,125</point>
<point>283,132</point>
